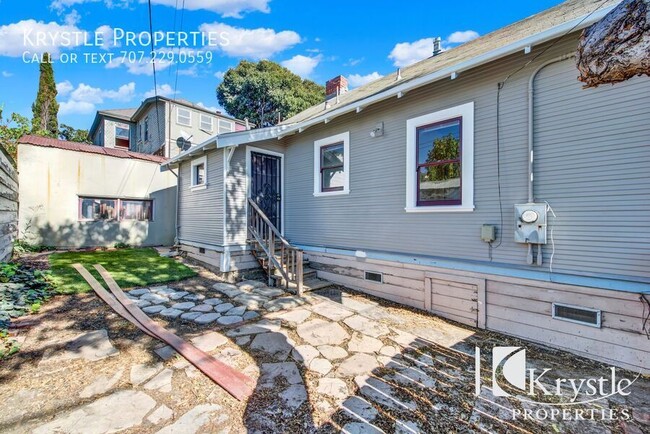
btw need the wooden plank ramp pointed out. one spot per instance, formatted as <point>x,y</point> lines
<point>234,382</point>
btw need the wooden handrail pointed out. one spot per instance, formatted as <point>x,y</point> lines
<point>268,222</point>
<point>288,261</point>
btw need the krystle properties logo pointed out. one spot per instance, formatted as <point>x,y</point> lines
<point>513,362</point>
<point>510,371</point>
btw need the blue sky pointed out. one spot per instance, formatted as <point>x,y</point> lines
<point>317,39</point>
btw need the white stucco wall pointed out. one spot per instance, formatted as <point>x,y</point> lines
<point>51,181</point>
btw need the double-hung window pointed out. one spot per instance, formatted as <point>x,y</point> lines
<point>198,173</point>
<point>183,116</point>
<point>332,165</point>
<point>440,161</point>
<point>226,126</point>
<point>146,128</point>
<point>205,123</point>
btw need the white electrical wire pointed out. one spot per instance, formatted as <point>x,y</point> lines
<point>550,265</point>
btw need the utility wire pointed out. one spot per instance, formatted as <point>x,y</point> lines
<point>153,64</point>
<point>498,118</point>
<point>181,29</point>
<point>169,71</point>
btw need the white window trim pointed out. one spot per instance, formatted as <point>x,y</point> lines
<point>195,163</point>
<point>201,117</point>
<point>128,137</point>
<point>466,111</point>
<point>178,111</point>
<point>318,144</point>
<point>230,123</point>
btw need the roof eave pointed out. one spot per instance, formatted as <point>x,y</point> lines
<point>279,132</point>
<point>539,38</point>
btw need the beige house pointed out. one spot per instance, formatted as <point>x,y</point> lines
<point>76,195</point>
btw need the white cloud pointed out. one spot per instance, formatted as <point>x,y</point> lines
<point>211,108</point>
<point>63,88</point>
<point>354,62</point>
<point>219,74</point>
<point>107,37</point>
<point>84,98</point>
<point>356,80</point>
<point>226,8</point>
<point>144,67</point>
<point>60,5</point>
<point>73,18</point>
<point>256,44</point>
<point>461,37</point>
<point>7,74</point>
<point>162,90</point>
<point>19,37</point>
<point>408,53</point>
<point>76,107</point>
<point>302,65</point>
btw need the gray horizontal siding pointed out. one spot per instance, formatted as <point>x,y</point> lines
<point>613,130</point>
<point>592,165</point>
<point>201,211</point>
<point>237,190</point>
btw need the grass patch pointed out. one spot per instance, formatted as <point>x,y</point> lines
<point>129,267</point>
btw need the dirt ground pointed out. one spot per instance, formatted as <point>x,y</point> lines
<point>403,371</point>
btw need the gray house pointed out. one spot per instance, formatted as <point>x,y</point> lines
<point>483,184</point>
<point>160,125</point>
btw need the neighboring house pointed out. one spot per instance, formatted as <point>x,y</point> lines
<point>113,129</point>
<point>160,126</point>
<point>387,189</point>
<point>76,195</point>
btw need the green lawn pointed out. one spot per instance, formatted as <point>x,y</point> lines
<point>129,267</point>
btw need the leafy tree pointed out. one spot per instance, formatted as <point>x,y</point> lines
<point>265,91</point>
<point>66,132</point>
<point>45,109</point>
<point>444,148</point>
<point>12,129</point>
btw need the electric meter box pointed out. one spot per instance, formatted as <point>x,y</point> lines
<point>530,223</point>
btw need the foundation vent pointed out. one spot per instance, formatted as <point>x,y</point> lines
<point>374,277</point>
<point>577,314</point>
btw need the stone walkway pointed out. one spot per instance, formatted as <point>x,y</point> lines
<point>326,362</point>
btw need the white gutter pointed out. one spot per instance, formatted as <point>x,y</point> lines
<point>234,139</point>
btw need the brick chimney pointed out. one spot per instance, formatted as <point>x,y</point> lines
<point>338,83</point>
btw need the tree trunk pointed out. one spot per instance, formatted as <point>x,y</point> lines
<point>617,47</point>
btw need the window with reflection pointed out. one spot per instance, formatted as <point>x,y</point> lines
<point>439,153</point>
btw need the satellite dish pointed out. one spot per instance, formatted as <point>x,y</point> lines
<point>184,141</point>
<point>183,144</point>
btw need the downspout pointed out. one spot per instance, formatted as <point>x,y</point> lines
<point>531,117</point>
<point>178,187</point>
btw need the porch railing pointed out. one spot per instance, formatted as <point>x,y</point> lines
<point>280,254</point>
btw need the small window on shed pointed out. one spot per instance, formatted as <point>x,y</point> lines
<point>199,172</point>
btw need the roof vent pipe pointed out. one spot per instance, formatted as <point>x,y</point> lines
<point>437,49</point>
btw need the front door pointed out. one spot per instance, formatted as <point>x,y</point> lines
<point>266,186</point>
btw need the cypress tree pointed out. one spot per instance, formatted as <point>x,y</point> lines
<point>45,109</point>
